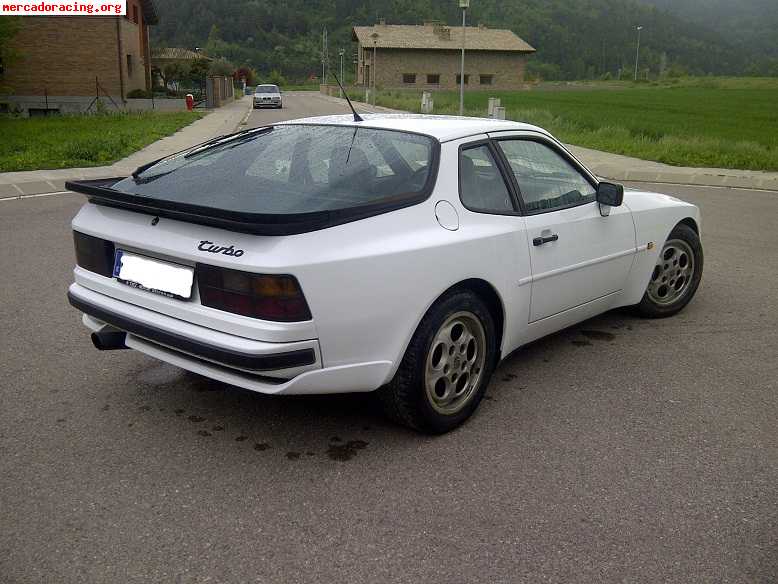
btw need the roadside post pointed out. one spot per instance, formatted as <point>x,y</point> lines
<point>427,104</point>
<point>494,102</point>
<point>499,113</point>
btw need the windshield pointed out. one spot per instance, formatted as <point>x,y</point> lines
<point>290,169</point>
<point>267,89</point>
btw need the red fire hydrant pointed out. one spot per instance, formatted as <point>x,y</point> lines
<point>189,101</point>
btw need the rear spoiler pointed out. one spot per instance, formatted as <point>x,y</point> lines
<point>101,192</point>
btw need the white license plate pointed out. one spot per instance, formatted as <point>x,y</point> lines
<point>155,276</point>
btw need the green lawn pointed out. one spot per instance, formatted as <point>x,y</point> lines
<point>708,123</point>
<point>88,140</point>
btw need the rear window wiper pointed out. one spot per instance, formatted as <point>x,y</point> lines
<point>237,137</point>
<point>196,148</point>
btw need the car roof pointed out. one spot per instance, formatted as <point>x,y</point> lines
<point>443,128</point>
<point>267,85</point>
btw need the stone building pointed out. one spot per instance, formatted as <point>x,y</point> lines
<point>428,56</point>
<point>64,61</point>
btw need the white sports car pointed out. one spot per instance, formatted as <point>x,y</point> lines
<point>399,253</point>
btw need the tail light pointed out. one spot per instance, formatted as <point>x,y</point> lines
<point>94,254</point>
<point>265,296</point>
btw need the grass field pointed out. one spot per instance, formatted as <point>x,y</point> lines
<point>723,123</point>
<point>90,140</point>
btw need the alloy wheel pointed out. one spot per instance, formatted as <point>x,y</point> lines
<point>672,274</point>
<point>455,362</point>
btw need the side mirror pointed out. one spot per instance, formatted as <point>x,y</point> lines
<point>609,195</point>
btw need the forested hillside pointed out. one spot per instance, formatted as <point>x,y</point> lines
<point>750,24</point>
<point>575,38</point>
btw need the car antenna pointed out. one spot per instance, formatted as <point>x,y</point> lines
<point>357,117</point>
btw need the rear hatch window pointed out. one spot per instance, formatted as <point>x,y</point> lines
<point>294,169</point>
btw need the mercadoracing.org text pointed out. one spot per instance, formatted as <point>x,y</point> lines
<point>64,8</point>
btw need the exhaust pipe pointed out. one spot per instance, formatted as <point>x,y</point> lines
<point>109,340</point>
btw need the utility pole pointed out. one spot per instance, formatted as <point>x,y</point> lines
<point>374,36</point>
<point>340,54</point>
<point>464,5</point>
<point>324,55</point>
<point>637,53</point>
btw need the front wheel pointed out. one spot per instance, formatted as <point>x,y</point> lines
<point>446,368</point>
<point>676,275</point>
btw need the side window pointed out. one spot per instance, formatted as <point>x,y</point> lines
<point>481,186</point>
<point>546,180</point>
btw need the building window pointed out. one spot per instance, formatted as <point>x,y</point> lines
<point>487,79</point>
<point>135,14</point>
<point>409,78</point>
<point>467,78</point>
<point>433,79</point>
<point>129,65</point>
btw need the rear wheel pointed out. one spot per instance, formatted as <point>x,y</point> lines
<point>676,275</point>
<point>446,368</point>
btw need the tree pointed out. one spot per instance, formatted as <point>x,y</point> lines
<point>198,71</point>
<point>9,26</point>
<point>215,45</point>
<point>246,73</point>
<point>221,67</point>
<point>276,78</point>
<point>174,73</point>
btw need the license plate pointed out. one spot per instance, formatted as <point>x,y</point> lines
<point>152,275</point>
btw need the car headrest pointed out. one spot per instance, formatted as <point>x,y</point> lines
<point>467,168</point>
<point>349,163</point>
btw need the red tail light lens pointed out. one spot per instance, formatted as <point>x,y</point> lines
<point>94,254</point>
<point>265,296</point>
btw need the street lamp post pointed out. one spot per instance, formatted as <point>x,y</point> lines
<point>374,36</point>
<point>324,51</point>
<point>340,54</point>
<point>464,5</point>
<point>637,53</point>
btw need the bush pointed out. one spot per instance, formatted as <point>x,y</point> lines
<point>276,78</point>
<point>221,67</point>
<point>139,94</point>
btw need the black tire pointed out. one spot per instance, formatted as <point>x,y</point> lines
<point>649,306</point>
<point>405,399</point>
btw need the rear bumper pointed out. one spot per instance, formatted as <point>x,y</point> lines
<point>230,357</point>
<point>272,368</point>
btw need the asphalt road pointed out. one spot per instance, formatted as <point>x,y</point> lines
<point>298,104</point>
<point>621,450</point>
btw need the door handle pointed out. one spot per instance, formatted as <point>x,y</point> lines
<point>541,240</point>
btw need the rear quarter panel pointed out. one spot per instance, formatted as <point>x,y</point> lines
<point>369,283</point>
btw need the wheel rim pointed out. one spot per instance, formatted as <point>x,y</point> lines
<point>672,273</point>
<point>455,362</point>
